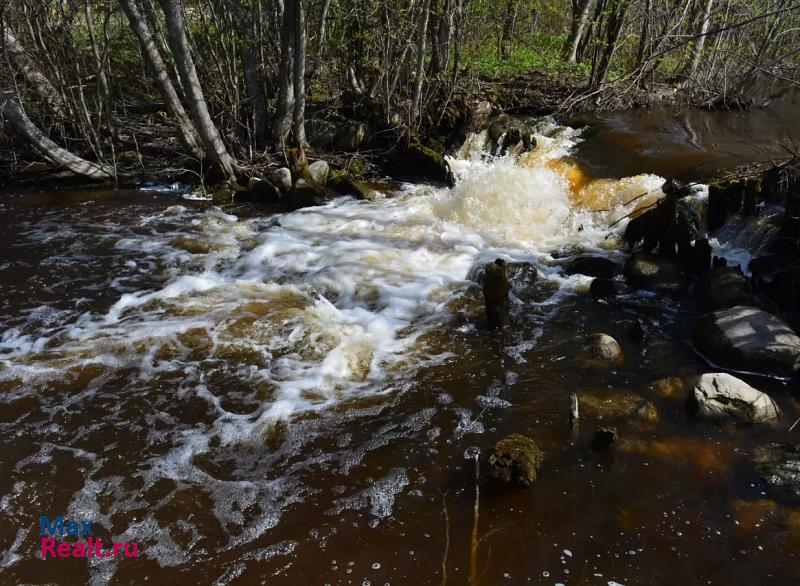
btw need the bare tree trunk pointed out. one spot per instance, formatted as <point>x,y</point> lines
<point>19,121</point>
<point>255,92</point>
<point>155,64</point>
<point>420,71</point>
<point>580,16</point>
<point>215,147</point>
<point>616,19</point>
<point>442,20</point>
<point>644,38</point>
<point>697,52</point>
<point>36,78</point>
<point>298,119</point>
<point>510,23</point>
<point>282,123</point>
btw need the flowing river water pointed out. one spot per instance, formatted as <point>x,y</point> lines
<point>298,398</point>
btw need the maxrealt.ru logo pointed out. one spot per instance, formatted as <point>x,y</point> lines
<point>86,546</point>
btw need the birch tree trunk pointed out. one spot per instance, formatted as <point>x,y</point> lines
<point>33,76</point>
<point>580,16</point>
<point>282,122</point>
<point>155,64</point>
<point>299,73</point>
<point>215,147</point>
<point>697,52</point>
<point>11,112</point>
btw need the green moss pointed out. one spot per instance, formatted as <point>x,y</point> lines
<point>515,459</point>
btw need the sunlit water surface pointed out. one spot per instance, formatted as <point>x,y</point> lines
<point>285,399</point>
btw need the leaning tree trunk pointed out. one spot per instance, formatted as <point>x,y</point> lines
<point>36,78</point>
<point>298,119</point>
<point>580,16</point>
<point>215,147</point>
<point>155,64</point>
<point>11,111</point>
<point>282,122</point>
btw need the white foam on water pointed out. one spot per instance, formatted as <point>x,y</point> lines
<point>316,307</point>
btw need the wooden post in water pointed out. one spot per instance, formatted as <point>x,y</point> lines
<point>495,293</point>
<point>573,412</point>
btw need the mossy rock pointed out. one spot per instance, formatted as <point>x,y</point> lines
<point>345,184</point>
<point>421,162</point>
<point>515,459</point>
<point>618,405</point>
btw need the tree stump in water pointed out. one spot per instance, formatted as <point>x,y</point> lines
<point>495,293</point>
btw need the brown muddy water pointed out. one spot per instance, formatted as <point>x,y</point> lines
<point>299,398</point>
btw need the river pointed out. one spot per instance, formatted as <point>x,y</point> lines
<point>296,398</point>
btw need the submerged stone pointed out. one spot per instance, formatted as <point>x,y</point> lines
<point>604,438</point>
<point>779,466</point>
<point>515,459</point>
<point>721,397</point>
<point>621,405</point>
<point>603,349</point>
<point>651,271</point>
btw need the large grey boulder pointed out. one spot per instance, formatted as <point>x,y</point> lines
<point>779,466</point>
<point>318,172</point>
<point>282,179</point>
<point>722,397</point>
<point>747,338</point>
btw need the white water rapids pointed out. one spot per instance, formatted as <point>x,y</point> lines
<point>330,301</point>
<point>304,310</point>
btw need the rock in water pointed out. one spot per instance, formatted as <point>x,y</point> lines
<point>650,271</point>
<point>305,194</point>
<point>604,288</point>
<point>495,293</point>
<point>346,184</point>
<point>282,179</point>
<point>779,466</point>
<point>604,438</point>
<point>720,396</point>
<point>318,172</point>
<point>603,348</point>
<point>748,338</point>
<point>721,288</point>
<point>592,266</point>
<point>420,162</point>
<point>622,406</point>
<point>262,191</point>
<point>515,459</point>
